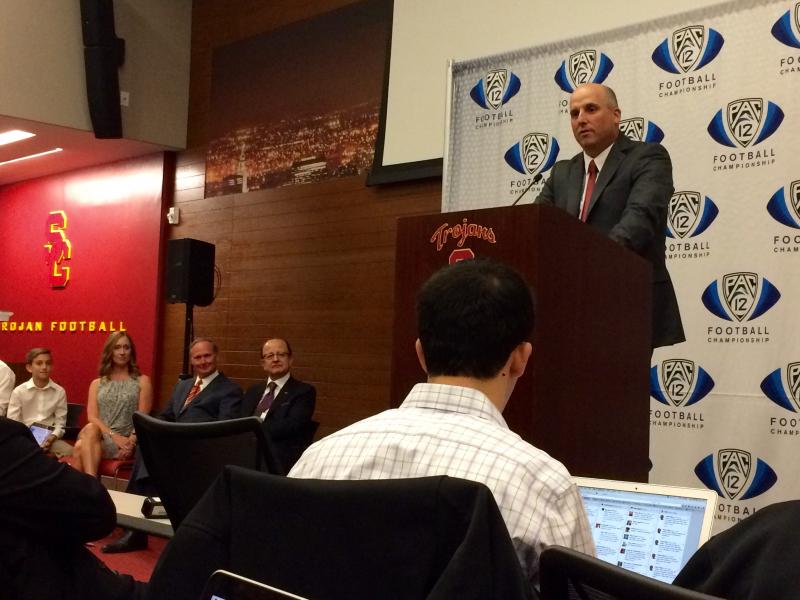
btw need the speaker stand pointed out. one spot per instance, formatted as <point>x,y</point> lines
<point>188,331</point>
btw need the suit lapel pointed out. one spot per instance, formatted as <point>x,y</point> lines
<point>575,185</point>
<point>253,397</point>
<point>279,399</point>
<point>202,393</point>
<point>188,385</point>
<point>614,160</point>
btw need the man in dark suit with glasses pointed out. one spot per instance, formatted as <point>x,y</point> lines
<point>284,404</point>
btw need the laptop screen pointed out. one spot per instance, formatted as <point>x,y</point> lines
<point>224,585</point>
<point>650,529</point>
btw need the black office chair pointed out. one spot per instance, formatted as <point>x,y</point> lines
<point>302,441</point>
<point>567,574</point>
<point>436,538</point>
<point>72,428</point>
<point>183,459</point>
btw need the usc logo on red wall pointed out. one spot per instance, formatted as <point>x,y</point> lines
<point>58,249</point>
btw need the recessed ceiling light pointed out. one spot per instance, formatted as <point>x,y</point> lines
<point>14,135</point>
<point>13,160</point>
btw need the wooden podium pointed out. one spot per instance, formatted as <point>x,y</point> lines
<point>584,396</point>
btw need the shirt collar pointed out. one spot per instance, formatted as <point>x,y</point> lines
<point>204,381</point>
<point>32,386</point>
<point>279,383</point>
<point>599,160</point>
<point>455,399</point>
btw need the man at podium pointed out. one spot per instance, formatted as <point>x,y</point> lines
<point>622,188</point>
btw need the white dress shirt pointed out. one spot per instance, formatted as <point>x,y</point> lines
<point>204,381</point>
<point>7,381</point>
<point>457,431</point>
<point>30,404</point>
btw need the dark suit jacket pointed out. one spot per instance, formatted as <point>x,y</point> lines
<point>629,204</point>
<point>48,510</point>
<point>288,419</point>
<point>221,399</point>
<point>434,537</point>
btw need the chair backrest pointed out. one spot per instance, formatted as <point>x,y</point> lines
<point>183,459</point>
<point>72,428</point>
<point>309,433</point>
<point>303,440</point>
<point>433,537</point>
<point>74,412</point>
<point>566,574</point>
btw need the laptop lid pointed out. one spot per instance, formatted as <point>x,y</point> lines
<point>41,432</point>
<point>223,585</point>
<point>647,528</point>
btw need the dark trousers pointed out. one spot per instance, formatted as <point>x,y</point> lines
<point>140,482</point>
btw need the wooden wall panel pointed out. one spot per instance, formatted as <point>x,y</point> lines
<point>313,263</point>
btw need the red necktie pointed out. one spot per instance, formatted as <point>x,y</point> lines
<point>587,196</point>
<point>192,393</point>
<point>266,401</point>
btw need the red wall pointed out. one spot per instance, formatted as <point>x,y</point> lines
<point>115,226</point>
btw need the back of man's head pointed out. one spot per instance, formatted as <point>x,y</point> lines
<point>471,316</point>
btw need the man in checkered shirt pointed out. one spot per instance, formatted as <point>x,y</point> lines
<point>474,321</point>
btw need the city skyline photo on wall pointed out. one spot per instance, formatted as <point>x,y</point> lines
<point>299,104</point>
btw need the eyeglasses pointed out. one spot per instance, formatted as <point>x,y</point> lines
<point>274,355</point>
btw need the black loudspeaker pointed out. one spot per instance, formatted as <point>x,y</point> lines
<point>190,272</point>
<point>103,54</point>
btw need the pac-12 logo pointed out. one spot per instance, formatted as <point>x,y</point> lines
<point>496,88</point>
<point>679,382</point>
<point>782,386</point>
<point>688,49</point>
<point>641,130</point>
<point>743,297</point>
<point>733,475</point>
<point>690,214</point>
<point>787,29</point>
<point>57,249</point>
<point>784,206</point>
<point>585,66</point>
<point>534,153</point>
<point>745,122</point>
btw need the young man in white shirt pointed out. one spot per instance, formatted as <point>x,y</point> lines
<point>41,400</point>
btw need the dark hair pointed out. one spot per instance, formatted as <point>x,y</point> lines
<point>471,316</point>
<point>284,340</point>
<point>196,341</point>
<point>106,356</point>
<point>31,354</point>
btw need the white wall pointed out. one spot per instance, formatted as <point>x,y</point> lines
<point>426,33</point>
<point>42,73</point>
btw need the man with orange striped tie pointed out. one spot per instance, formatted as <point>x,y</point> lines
<point>207,396</point>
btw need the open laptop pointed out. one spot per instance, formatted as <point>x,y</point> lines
<point>41,432</point>
<point>647,528</point>
<point>223,585</point>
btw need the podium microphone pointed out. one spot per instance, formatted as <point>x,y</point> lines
<point>535,180</point>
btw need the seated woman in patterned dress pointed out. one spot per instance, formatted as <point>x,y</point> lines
<point>120,390</point>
